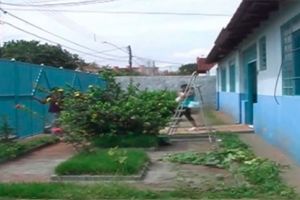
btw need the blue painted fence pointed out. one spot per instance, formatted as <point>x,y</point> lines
<point>19,82</point>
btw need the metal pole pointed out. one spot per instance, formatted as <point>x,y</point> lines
<point>130,57</point>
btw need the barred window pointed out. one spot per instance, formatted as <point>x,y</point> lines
<point>291,57</point>
<point>262,53</point>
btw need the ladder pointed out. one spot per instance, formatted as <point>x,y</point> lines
<point>178,113</point>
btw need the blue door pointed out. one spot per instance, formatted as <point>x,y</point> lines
<point>249,96</point>
<point>251,91</point>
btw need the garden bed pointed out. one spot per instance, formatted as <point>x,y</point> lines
<point>109,164</point>
<point>14,149</point>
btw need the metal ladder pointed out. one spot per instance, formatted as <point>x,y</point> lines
<point>177,116</point>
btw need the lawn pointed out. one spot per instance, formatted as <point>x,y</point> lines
<point>103,162</point>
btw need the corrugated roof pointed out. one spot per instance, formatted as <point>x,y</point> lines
<point>248,16</point>
<point>203,66</point>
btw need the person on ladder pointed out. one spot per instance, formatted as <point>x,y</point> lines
<point>185,100</point>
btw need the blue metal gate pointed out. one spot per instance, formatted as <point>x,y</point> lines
<point>19,82</point>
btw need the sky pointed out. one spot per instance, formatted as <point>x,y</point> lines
<point>170,40</point>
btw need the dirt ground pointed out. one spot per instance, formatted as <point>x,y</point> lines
<point>290,174</point>
<point>164,175</point>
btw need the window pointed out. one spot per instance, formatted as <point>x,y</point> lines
<point>223,79</point>
<point>262,53</point>
<point>291,57</point>
<point>232,77</point>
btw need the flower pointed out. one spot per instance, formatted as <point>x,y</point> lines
<point>77,94</point>
<point>19,106</point>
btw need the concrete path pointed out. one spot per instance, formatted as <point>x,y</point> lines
<point>37,166</point>
<point>290,175</point>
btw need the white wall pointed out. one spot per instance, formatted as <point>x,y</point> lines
<point>271,29</point>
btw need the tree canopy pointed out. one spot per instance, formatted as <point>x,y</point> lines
<point>187,69</point>
<point>34,52</point>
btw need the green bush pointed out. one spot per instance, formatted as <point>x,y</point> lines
<point>112,161</point>
<point>137,141</point>
<point>115,111</point>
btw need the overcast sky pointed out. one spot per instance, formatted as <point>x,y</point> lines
<point>179,39</point>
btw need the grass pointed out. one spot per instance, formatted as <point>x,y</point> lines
<point>9,150</point>
<point>135,141</point>
<point>116,191</point>
<point>100,162</point>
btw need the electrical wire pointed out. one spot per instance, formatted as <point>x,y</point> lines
<point>78,3</point>
<point>53,34</point>
<point>51,41</point>
<point>69,22</point>
<point>126,12</point>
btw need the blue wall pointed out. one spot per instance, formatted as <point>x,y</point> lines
<point>229,102</point>
<point>18,86</point>
<point>279,124</point>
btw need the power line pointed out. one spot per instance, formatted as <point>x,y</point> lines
<point>126,12</point>
<point>53,34</point>
<point>68,25</point>
<point>48,40</point>
<point>78,3</point>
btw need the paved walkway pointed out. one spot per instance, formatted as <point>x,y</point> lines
<point>290,175</point>
<point>233,128</point>
<point>37,166</point>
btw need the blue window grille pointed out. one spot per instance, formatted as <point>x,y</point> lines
<point>262,53</point>
<point>232,77</point>
<point>290,33</point>
<point>223,79</point>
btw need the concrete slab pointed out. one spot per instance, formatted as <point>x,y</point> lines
<point>37,166</point>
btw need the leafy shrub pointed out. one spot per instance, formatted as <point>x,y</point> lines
<point>5,130</point>
<point>141,141</point>
<point>115,111</point>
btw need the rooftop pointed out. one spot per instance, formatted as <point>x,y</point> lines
<point>249,15</point>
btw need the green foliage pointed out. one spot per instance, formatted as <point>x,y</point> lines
<point>188,69</point>
<point>5,130</point>
<point>110,161</point>
<point>263,175</point>
<point>34,52</point>
<point>74,191</point>
<point>134,140</point>
<point>15,149</point>
<point>115,111</point>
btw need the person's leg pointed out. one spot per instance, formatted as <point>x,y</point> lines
<point>188,114</point>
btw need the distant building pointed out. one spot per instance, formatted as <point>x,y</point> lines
<point>148,71</point>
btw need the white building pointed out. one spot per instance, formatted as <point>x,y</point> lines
<point>258,56</point>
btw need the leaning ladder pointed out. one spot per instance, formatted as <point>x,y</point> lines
<point>177,115</point>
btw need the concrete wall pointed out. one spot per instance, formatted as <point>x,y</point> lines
<point>208,84</point>
<point>277,123</point>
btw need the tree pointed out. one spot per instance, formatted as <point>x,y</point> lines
<point>34,52</point>
<point>187,69</point>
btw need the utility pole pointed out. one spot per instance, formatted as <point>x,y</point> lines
<point>130,57</point>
